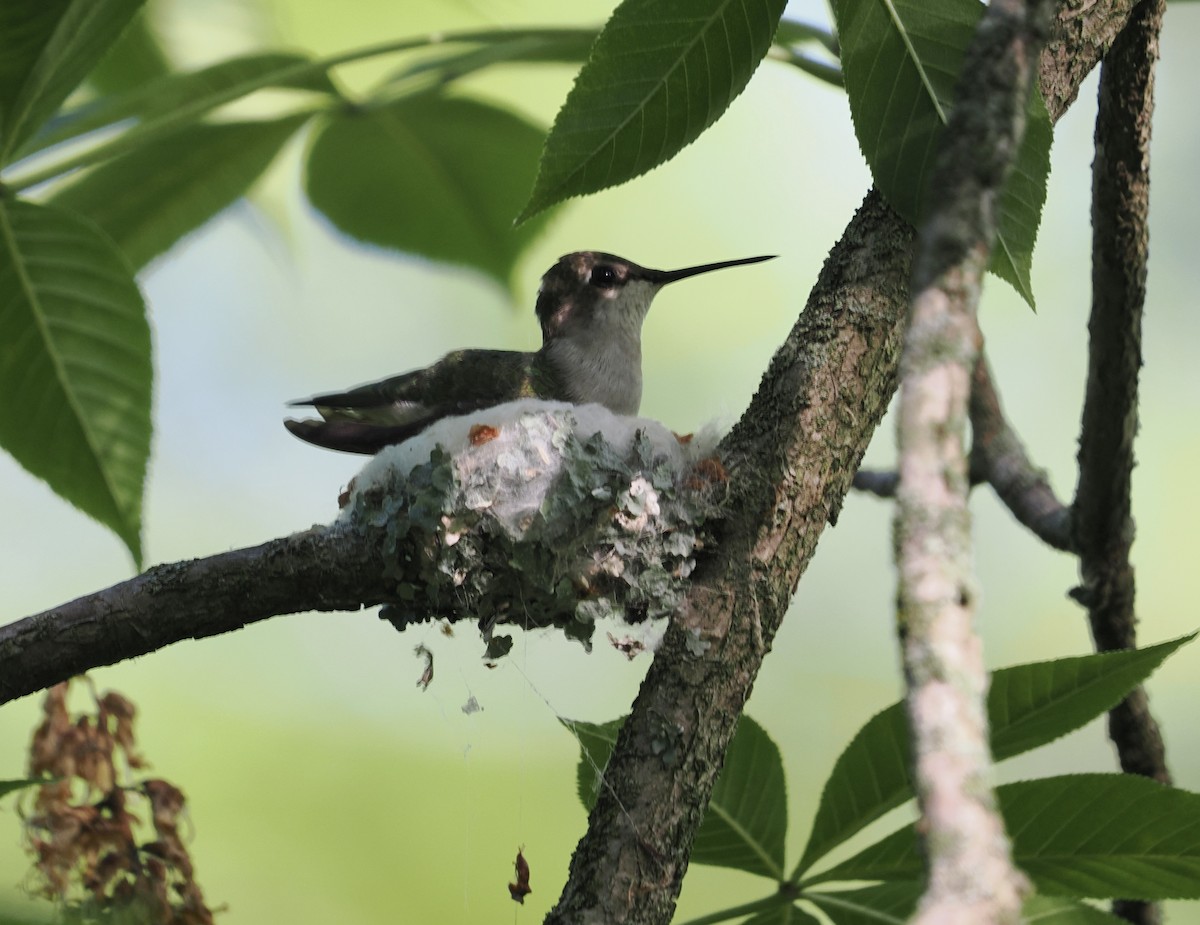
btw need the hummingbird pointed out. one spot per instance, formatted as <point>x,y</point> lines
<point>590,306</point>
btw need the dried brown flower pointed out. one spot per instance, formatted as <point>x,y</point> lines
<point>90,849</point>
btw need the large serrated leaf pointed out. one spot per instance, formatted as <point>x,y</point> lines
<point>54,60</point>
<point>900,60</point>
<point>75,366</point>
<point>1079,835</point>
<point>660,73</point>
<point>1028,706</point>
<point>435,176</point>
<point>153,196</point>
<point>193,92</point>
<point>746,821</point>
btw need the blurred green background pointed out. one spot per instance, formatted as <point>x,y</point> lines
<point>322,783</point>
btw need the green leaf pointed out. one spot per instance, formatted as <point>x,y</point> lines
<point>54,60</point>
<point>872,905</point>
<point>135,59</point>
<point>900,60</point>
<point>1080,835</point>
<point>75,366</point>
<point>746,822</point>
<point>783,914</point>
<point>1028,706</point>
<point>12,786</point>
<point>869,778</point>
<point>194,92</point>
<point>25,28</point>
<point>660,73</point>
<point>440,177</point>
<point>1031,705</point>
<point>156,194</point>
<point>596,742</point>
<point>1019,208</point>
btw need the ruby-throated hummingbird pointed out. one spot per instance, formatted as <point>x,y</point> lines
<point>590,306</point>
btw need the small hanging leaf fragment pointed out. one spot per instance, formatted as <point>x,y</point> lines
<point>421,651</point>
<point>519,890</point>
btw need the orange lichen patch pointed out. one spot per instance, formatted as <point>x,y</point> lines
<point>480,434</point>
<point>707,471</point>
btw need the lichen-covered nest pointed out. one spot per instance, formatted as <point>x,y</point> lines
<point>538,514</point>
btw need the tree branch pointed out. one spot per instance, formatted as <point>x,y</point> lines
<point>1103,522</point>
<point>971,875</point>
<point>320,569</point>
<point>464,530</point>
<point>789,459</point>
<point>998,457</point>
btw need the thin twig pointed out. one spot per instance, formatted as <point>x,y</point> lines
<point>1103,522</point>
<point>998,458</point>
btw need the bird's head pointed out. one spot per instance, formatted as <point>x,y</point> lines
<point>593,294</point>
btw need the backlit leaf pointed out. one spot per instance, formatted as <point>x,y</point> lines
<point>1080,835</point>
<point>440,177</point>
<point>54,56</point>
<point>900,61</point>
<point>75,366</point>
<point>1028,706</point>
<point>746,821</point>
<point>153,196</point>
<point>660,73</point>
<point>193,92</point>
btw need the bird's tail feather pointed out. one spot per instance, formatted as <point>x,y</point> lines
<point>351,436</point>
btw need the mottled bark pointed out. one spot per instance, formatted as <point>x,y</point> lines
<point>321,569</point>
<point>971,875</point>
<point>790,459</point>
<point>998,456</point>
<point>1102,514</point>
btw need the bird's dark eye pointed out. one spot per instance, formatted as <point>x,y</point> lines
<point>603,276</point>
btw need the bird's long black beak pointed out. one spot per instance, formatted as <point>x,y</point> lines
<point>662,277</point>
